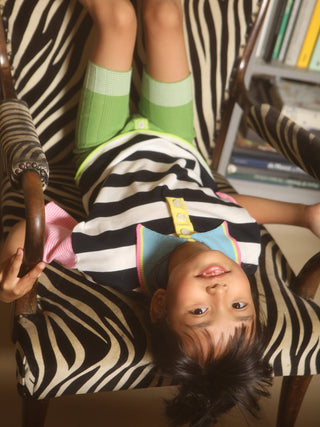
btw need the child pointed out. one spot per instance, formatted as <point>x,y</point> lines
<point>155,219</point>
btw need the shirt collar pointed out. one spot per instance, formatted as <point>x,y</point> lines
<point>153,251</point>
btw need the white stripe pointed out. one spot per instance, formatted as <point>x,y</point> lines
<point>116,194</point>
<point>177,150</point>
<point>142,213</point>
<point>109,260</point>
<point>229,213</point>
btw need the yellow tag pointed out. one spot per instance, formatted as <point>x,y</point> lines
<point>180,217</point>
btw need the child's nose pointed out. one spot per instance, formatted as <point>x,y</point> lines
<point>217,287</point>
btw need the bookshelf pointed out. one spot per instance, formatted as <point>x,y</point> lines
<point>278,69</point>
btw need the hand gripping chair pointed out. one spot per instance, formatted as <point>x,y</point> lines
<point>75,337</point>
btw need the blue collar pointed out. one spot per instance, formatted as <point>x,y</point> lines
<point>153,251</point>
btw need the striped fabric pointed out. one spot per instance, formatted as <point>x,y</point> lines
<point>125,183</point>
<point>20,142</point>
<point>88,338</point>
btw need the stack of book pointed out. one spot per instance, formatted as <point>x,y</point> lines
<point>293,34</point>
<point>254,159</point>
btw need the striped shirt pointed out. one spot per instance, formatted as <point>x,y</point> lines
<point>125,183</point>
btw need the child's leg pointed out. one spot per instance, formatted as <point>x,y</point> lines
<point>104,106</point>
<point>166,97</point>
<point>115,32</point>
<point>166,57</point>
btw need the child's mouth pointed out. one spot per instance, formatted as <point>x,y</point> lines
<point>213,271</point>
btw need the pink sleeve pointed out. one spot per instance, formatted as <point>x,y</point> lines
<point>226,197</point>
<point>59,227</point>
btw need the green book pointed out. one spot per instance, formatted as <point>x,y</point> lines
<point>314,64</point>
<point>282,29</point>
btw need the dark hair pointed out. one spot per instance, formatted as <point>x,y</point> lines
<point>210,385</point>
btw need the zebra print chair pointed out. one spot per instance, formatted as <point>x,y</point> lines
<point>74,337</point>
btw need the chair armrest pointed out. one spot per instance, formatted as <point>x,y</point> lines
<point>297,144</point>
<point>35,235</point>
<point>26,164</point>
<point>21,148</point>
<point>308,280</point>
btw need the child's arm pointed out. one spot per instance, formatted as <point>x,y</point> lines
<point>266,211</point>
<point>13,287</point>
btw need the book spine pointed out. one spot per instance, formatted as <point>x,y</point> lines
<point>254,152</point>
<point>282,29</point>
<point>310,38</point>
<point>284,166</point>
<point>314,64</point>
<point>299,32</point>
<point>265,28</point>
<point>274,30</point>
<point>289,29</point>
<point>245,174</point>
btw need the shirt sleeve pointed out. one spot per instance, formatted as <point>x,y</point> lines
<point>59,227</point>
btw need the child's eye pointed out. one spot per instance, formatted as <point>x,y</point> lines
<point>239,305</point>
<point>198,311</point>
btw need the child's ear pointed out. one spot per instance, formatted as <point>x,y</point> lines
<point>158,305</point>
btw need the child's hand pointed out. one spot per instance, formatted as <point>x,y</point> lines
<point>313,218</point>
<point>13,287</point>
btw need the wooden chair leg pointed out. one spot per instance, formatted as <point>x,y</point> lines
<point>34,412</point>
<point>291,397</point>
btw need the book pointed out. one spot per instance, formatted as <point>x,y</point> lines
<point>282,29</point>
<point>274,29</point>
<point>299,32</point>
<point>310,38</point>
<point>252,151</point>
<point>250,144</point>
<point>262,40</point>
<point>314,64</point>
<point>289,29</point>
<point>259,175</point>
<point>253,159</point>
<point>278,165</point>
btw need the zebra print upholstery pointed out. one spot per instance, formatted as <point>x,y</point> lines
<point>89,338</point>
<point>20,142</point>
<point>295,143</point>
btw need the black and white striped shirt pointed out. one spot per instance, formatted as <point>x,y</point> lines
<point>125,183</point>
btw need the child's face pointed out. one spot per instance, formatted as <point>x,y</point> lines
<point>207,291</point>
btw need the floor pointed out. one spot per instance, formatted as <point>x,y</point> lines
<point>145,408</point>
